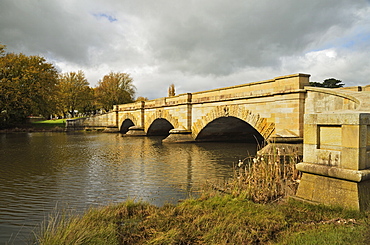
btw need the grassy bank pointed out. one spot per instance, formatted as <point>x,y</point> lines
<point>221,219</point>
<point>251,208</point>
<point>49,124</point>
<point>56,125</point>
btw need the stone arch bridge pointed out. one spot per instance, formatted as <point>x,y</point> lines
<point>333,124</point>
<point>271,109</point>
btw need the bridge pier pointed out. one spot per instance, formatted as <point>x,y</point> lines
<point>336,160</point>
<point>179,135</point>
<point>135,131</point>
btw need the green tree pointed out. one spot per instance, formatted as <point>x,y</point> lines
<point>74,92</point>
<point>328,83</point>
<point>27,87</point>
<point>114,89</point>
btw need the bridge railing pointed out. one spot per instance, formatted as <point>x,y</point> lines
<point>283,84</point>
<point>130,106</point>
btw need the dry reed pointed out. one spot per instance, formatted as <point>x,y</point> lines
<point>267,177</point>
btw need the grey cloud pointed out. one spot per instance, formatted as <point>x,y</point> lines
<point>194,44</point>
<point>60,29</point>
<point>222,38</point>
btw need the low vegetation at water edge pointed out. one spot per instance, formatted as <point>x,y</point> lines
<point>251,208</point>
<point>55,122</point>
<point>219,219</point>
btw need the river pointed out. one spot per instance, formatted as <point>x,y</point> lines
<point>44,172</point>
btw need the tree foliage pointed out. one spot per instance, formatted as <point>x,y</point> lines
<point>171,90</point>
<point>115,88</point>
<point>328,83</point>
<point>27,87</point>
<point>31,86</point>
<point>141,98</point>
<point>74,93</point>
<point>2,50</point>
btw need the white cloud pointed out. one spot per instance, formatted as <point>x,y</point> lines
<point>196,45</point>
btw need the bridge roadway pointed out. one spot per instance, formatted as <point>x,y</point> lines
<point>334,125</point>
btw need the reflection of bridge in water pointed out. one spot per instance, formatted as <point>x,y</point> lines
<point>334,125</point>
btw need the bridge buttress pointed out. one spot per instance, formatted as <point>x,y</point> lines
<point>336,159</point>
<point>182,132</point>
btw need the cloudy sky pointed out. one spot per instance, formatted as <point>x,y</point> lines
<point>195,44</point>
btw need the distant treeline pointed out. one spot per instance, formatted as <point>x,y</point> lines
<point>30,86</point>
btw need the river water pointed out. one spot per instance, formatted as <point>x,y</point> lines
<point>44,172</point>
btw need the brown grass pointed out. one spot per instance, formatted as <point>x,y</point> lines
<point>267,177</point>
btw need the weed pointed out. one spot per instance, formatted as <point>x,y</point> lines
<point>264,178</point>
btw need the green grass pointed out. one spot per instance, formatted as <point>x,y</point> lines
<point>330,234</point>
<point>217,219</point>
<point>47,122</point>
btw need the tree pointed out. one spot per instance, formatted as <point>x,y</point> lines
<point>89,105</point>
<point>74,93</point>
<point>171,90</point>
<point>114,89</point>
<point>2,50</point>
<point>27,87</point>
<point>141,98</point>
<point>328,83</point>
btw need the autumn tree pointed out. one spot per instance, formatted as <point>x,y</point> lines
<point>328,83</point>
<point>2,50</point>
<point>171,90</point>
<point>114,89</point>
<point>74,93</point>
<point>89,105</point>
<point>141,98</point>
<point>27,87</point>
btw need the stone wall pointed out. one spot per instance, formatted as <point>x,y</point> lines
<point>336,150</point>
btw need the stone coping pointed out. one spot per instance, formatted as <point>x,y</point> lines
<point>138,128</point>
<point>160,102</point>
<point>180,131</point>
<point>360,98</point>
<point>334,172</point>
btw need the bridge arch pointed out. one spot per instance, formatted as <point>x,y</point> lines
<point>126,121</point>
<point>159,127</point>
<point>230,129</point>
<point>261,125</point>
<point>125,125</point>
<point>160,114</point>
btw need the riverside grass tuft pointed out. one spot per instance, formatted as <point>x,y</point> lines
<point>249,209</point>
<point>267,177</point>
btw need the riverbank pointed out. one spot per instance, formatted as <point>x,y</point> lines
<point>218,219</point>
<point>251,208</point>
<point>56,125</point>
<point>23,129</point>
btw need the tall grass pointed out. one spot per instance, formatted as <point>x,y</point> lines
<point>96,226</point>
<point>267,177</point>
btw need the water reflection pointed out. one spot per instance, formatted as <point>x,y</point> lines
<point>41,171</point>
